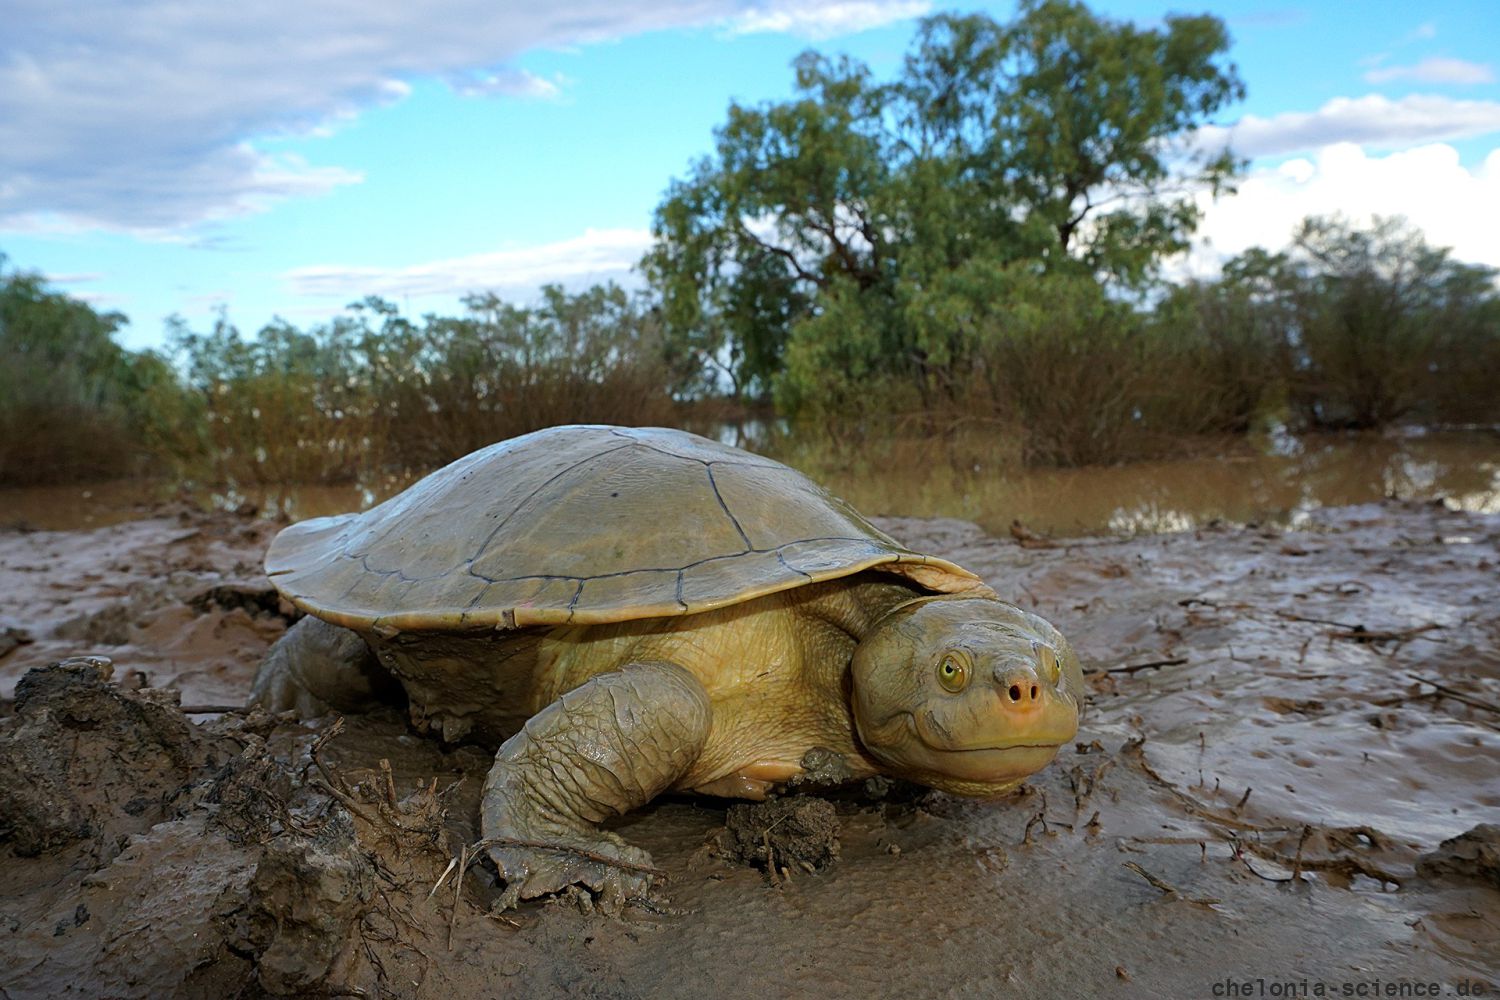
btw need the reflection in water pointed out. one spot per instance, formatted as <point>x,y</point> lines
<point>1277,485</point>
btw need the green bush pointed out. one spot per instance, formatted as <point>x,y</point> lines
<point>373,393</point>
<point>74,404</point>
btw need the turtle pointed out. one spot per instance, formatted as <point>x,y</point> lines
<point>627,611</point>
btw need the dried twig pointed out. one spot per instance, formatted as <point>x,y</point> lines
<point>1155,882</point>
<point>1359,633</point>
<point>1460,696</point>
<point>458,889</point>
<point>346,800</point>
<point>765,839</point>
<point>390,781</point>
<point>1136,667</point>
<point>1040,817</point>
<point>1297,860</point>
<point>452,864</point>
<point>1315,621</point>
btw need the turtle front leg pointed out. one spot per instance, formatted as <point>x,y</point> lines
<point>603,749</point>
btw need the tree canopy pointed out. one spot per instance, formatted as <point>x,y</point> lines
<point>859,210</point>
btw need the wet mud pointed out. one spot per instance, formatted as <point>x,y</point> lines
<point>799,833</point>
<point>1289,770</point>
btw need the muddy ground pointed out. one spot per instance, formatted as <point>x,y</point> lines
<point>1285,727</point>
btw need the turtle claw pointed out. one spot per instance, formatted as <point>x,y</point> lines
<point>583,876</point>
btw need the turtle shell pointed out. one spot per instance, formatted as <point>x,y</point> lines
<point>584,525</point>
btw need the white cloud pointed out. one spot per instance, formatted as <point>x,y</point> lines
<point>506,81</point>
<point>827,20</point>
<point>1435,70</point>
<point>597,256</point>
<point>1454,206</point>
<point>1268,17</point>
<point>1373,120</point>
<point>73,278</point>
<point>142,116</point>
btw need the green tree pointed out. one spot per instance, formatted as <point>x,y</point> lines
<point>1057,142</point>
<point>1390,326</point>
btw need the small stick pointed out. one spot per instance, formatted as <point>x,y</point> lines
<point>502,918</point>
<point>765,838</point>
<point>1167,888</point>
<point>458,889</point>
<point>1155,882</point>
<point>1315,621</point>
<point>452,864</point>
<point>1361,634</point>
<point>1244,858</point>
<point>1297,860</point>
<point>1133,668</point>
<point>334,728</point>
<point>390,781</point>
<point>1449,692</point>
<point>347,801</point>
<point>214,710</point>
<point>1243,799</point>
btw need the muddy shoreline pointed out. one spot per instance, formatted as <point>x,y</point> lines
<point>1283,726</point>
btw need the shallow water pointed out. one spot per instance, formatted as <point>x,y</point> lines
<point>1276,480</point>
<point>1280,483</point>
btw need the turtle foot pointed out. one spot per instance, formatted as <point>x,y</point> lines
<point>601,875</point>
<point>317,668</point>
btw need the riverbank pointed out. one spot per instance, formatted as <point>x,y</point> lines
<point>1284,722</point>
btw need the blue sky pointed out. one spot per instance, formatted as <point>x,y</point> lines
<point>287,157</point>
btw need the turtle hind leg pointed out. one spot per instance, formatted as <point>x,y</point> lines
<point>316,668</point>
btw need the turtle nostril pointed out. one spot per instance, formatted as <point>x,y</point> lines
<point>1033,692</point>
<point>1015,692</point>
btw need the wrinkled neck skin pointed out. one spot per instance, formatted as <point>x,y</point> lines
<point>968,695</point>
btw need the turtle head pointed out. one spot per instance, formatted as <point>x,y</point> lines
<point>965,694</point>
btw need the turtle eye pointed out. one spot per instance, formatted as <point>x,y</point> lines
<point>1048,660</point>
<point>952,674</point>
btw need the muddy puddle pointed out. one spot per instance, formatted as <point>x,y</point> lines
<point>1277,479</point>
<point>1284,774</point>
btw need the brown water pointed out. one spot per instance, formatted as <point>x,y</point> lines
<point>1275,480</point>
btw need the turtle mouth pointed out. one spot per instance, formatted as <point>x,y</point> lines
<point>934,736</point>
<point>1001,748</point>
